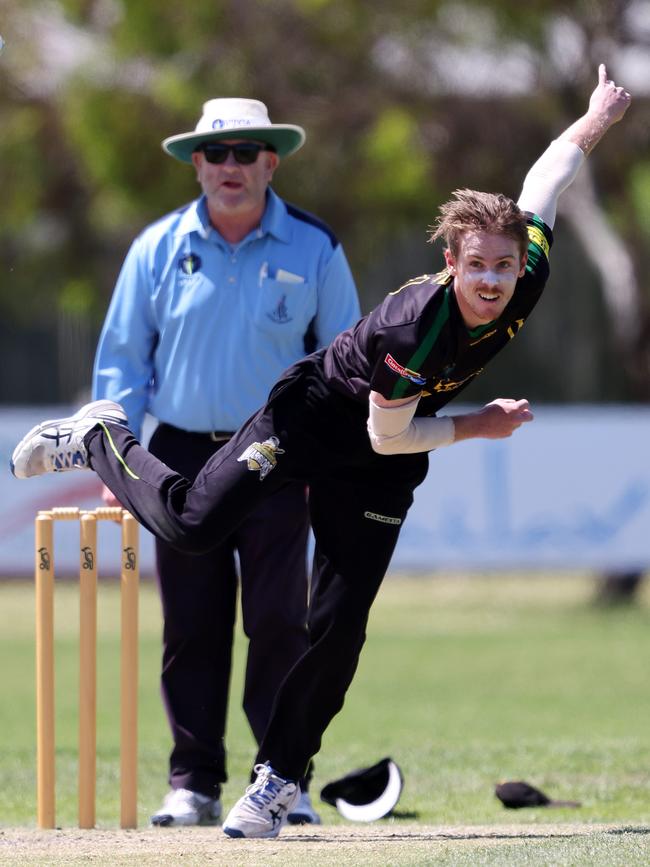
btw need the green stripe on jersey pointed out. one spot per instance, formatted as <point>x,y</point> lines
<point>538,245</point>
<point>423,350</point>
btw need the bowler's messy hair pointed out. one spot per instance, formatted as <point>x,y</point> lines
<point>488,212</point>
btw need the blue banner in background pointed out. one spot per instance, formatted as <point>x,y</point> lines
<point>571,490</point>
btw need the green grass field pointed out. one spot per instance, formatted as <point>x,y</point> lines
<point>462,681</point>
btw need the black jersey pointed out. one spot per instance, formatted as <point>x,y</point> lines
<point>417,342</point>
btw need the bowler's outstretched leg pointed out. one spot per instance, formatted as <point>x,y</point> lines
<point>192,517</point>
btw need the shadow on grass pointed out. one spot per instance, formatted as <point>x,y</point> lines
<point>628,831</point>
<point>462,835</point>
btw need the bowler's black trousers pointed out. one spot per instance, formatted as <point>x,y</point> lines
<point>358,501</point>
<point>199,601</point>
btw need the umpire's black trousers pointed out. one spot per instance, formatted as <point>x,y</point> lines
<point>358,501</point>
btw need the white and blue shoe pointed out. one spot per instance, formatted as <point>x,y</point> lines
<point>56,446</point>
<point>304,813</point>
<point>265,806</point>
<point>183,807</point>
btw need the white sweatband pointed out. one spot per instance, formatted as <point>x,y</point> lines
<point>394,431</point>
<point>548,177</point>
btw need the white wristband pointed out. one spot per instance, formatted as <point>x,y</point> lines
<point>393,430</point>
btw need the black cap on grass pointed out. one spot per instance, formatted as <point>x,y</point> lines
<point>515,794</point>
<point>366,794</point>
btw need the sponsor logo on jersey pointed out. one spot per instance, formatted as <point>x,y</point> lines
<point>404,372</point>
<point>261,457</point>
<point>445,385</point>
<point>383,519</point>
<point>189,264</point>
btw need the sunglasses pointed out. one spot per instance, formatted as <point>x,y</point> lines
<point>245,153</point>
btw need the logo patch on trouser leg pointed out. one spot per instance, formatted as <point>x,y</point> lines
<point>383,519</point>
<point>261,457</point>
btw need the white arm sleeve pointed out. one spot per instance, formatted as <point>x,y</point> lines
<point>394,431</point>
<point>548,177</point>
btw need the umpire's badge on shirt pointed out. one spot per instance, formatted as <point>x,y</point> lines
<point>280,313</point>
<point>189,264</point>
<point>261,457</point>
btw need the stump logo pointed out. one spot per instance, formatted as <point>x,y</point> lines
<point>261,457</point>
<point>129,558</point>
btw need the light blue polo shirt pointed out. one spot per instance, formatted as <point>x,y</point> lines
<point>198,330</point>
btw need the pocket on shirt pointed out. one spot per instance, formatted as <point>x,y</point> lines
<point>284,308</point>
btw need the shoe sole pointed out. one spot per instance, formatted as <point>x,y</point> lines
<point>171,822</point>
<point>37,429</point>
<point>235,832</point>
<point>297,819</point>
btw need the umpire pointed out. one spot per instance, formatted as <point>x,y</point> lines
<point>212,303</point>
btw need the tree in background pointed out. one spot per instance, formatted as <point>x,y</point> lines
<point>401,106</point>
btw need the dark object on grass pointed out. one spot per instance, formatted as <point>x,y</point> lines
<point>366,794</point>
<point>619,588</point>
<point>515,794</point>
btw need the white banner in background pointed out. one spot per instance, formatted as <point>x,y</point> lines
<point>569,491</point>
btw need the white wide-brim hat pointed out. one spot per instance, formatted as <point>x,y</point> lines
<point>235,118</point>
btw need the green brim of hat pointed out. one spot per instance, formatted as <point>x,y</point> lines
<point>285,139</point>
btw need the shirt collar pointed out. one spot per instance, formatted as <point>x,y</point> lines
<point>195,219</point>
<point>274,219</point>
<point>274,222</point>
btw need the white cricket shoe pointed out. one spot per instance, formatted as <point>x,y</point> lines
<point>56,446</point>
<point>303,813</point>
<point>264,808</point>
<point>184,807</point>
